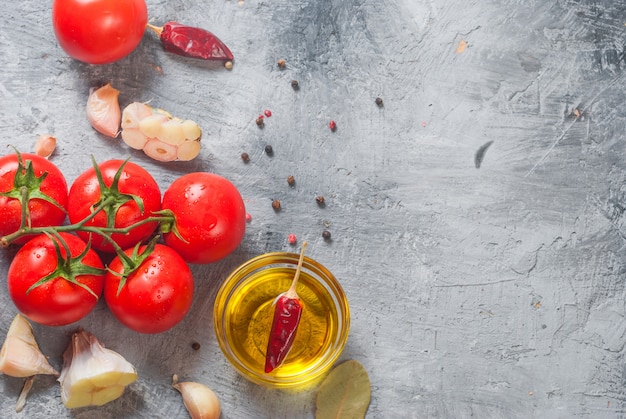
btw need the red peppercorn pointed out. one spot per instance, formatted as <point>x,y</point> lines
<point>292,239</point>
<point>245,157</point>
<point>276,205</point>
<point>267,113</point>
<point>259,121</point>
<point>332,125</point>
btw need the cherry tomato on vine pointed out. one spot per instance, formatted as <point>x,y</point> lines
<point>52,287</point>
<point>154,297</point>
<point>126,197</point>
<point>45,188</point>
<point>99,31</point>
<point>210,217</point>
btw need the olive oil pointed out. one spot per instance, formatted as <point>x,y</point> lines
<point>244,309</point>
<point>251,312</point>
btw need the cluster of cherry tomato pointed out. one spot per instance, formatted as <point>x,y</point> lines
<point>114,208</point>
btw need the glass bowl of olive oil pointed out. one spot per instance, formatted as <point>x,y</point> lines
<point>244,309</point>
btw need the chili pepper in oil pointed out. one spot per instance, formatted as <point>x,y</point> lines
<point>189,41</point>
<point>287,313</point>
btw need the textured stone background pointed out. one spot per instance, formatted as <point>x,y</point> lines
<point>485,292</point>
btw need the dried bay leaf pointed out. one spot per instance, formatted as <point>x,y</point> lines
<point>345,393</point>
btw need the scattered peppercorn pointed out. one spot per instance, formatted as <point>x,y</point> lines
<point>292,239</point>
<point>228,65</point>
<point>260,121</point>
<point>245,157</point>
<point>195,346</point>
<point>332,125</point>
<point>281,63</point>
<point>248,217</point>
<point>379,102</point>
<point>268,113</point>
<point>295,84</point>
<point>269,150</point>
<point>326,234</point>
<point>276,205</point>
<point>291,180</point>
<point>319,199</point>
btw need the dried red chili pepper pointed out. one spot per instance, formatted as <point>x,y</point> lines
<point>189,41</point>
<point>287,313</point>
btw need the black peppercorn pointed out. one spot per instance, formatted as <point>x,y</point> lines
<point>260,121</point>
<point>319,199</point>
<point>326,234</point>
<point>295,84</point>
<point>195,346</point>
<point>269,150</point>
<point>245,157</point>
<point>379,102</point>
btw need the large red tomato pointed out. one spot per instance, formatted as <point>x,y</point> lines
<point>210,217</point>
<point>99,31</point>
<point>46,193</point>
<point>154,297</point>
<point>63,295</point>
<point>86,192</point>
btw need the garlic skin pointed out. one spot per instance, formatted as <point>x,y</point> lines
<point>160,135</point>
<point>201,402</point>
<point>45,145</point>
<point>103,110</point>
<point>93,375</point>
<point>20,355</point>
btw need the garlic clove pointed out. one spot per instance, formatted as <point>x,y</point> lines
<point>150,126</point>
<point>20,355</point>
<point>191,130</point>
<point>188,150</point>
<point>134,113</point>
<point>201,402</point>
<point>134,138</point>
<point>103,110</point>
<point>172,132</point>
<point>93,375</point>
<point>158,150</point>
<point>45,145</point>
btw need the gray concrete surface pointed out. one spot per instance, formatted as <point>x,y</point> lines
<point>484,281</point>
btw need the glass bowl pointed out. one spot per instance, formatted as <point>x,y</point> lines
<point>244,308</point>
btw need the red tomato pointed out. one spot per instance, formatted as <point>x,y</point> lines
<point>86,192</point>
<point>42,213</point>
<point>58,301</point>
<point>99,31</point>
<point>210,217</point>
<point>156,296</point>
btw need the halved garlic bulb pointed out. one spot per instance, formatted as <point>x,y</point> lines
<point>93,375</point>
<point>20,355</point>
<point>160,135</point>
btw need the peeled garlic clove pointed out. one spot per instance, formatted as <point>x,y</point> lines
<point>188,150</point>
<point>93,375</point>
<point>134,113</point>
<point>201,402</point>
<point>20,355</point>
<point>172,132</point>
<point>191,130</point>
<point>103,110</point>
<point>45,145</point>
<point>134,138</point>
<point>158,150</point>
